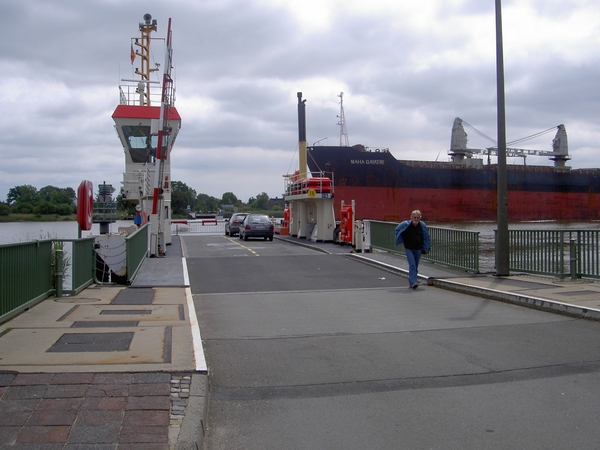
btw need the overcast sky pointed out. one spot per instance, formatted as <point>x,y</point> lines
<point>406,69</point>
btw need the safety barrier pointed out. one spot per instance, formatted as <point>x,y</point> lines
<point>203,226</point>
<point>136,250</point>
<point>81,264</point>
<point>31,270</point>
<point>449,247</point>
<point>318,182</point>
<point>561,253</point>
<point>26,276</point>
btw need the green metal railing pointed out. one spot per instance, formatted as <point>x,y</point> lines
<point>561,253</point>
<point>588,252</point>
<point>30,271</point>
<point>455,248</point>
<point>81,264</point>
<point>25,276</point>
<point>136,250</point>
<point>449,247</point>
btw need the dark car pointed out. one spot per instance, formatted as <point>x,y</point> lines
<point>232,226</point>
<point>257,225</point>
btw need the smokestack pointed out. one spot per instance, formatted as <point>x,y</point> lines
<point>302,136</point>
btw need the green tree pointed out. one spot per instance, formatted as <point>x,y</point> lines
<point>178,202</point>
<point>22,194</point>
<point>22,208</point>
<point>182,196</point>
<point>260,202</point>
<point>62,209</point>
<point>4,209</point>
<point>206,203</point>
<point>45,208</point>
<point>229,198</point>
<point>56,195</point>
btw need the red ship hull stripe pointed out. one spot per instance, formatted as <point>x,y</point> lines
<point>446,205</point>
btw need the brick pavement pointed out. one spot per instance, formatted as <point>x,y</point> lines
<point>77,411</point>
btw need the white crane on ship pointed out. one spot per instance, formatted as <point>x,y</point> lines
<point>460,153</point>
<point>342,123</point>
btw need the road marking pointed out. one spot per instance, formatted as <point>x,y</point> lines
<point>198,350</point>
<point>242,245</point>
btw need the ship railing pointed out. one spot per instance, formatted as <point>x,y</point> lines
<point>129,95</point>
<point>104,212</point>
<point>458,249</point>
<point>560,253</point>
<point>319,182</point>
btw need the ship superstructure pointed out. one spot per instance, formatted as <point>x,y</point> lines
<point>147,124</point>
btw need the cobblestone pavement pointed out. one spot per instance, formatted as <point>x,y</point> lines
<point>101,411</point>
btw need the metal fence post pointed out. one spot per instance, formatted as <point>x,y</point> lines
<point>58,255</point>
<point>573,258</point>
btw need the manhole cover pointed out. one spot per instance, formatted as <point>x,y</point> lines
<point>92,342</point>
<point>134,296</point>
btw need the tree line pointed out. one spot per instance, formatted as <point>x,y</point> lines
<point>184,197</point>
<point>27,199</point>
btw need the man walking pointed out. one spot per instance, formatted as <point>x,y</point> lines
<point>416,240</point>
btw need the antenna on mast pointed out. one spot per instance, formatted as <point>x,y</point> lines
<point>342,123</point>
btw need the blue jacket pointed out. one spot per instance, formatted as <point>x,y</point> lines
<point>404,225</point>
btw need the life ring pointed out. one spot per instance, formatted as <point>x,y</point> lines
<point>85,205</point>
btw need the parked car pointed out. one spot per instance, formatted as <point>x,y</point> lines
<point>232,226</point>
<point>256,225</point>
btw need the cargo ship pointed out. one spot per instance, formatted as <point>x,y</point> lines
<point>461,189</point>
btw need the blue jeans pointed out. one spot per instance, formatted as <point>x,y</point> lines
<point>413,257</point>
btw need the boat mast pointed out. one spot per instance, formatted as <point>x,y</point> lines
<point>146,28</point>
<point>342,123</point>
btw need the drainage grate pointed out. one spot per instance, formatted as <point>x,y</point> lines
<point>105,323</point>
<point>134,296</point>
<point>125,312</point>
<point>92,342</point>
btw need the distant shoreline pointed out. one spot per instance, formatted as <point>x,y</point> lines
<point>38,218</point>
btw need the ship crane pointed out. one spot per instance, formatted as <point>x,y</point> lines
<point>342,123</point>
<point>461,154</point>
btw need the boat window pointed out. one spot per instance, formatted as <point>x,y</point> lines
<point>142,145</point>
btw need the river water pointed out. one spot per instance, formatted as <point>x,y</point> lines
<point>11,232</point>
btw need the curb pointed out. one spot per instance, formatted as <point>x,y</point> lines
<point>520,300</point>
<point>493,294</point>
<point>193,425</point>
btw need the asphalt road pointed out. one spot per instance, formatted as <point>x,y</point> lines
<point>316,351</point>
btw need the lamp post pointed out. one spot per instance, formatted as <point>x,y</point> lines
<point>502,249</point>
